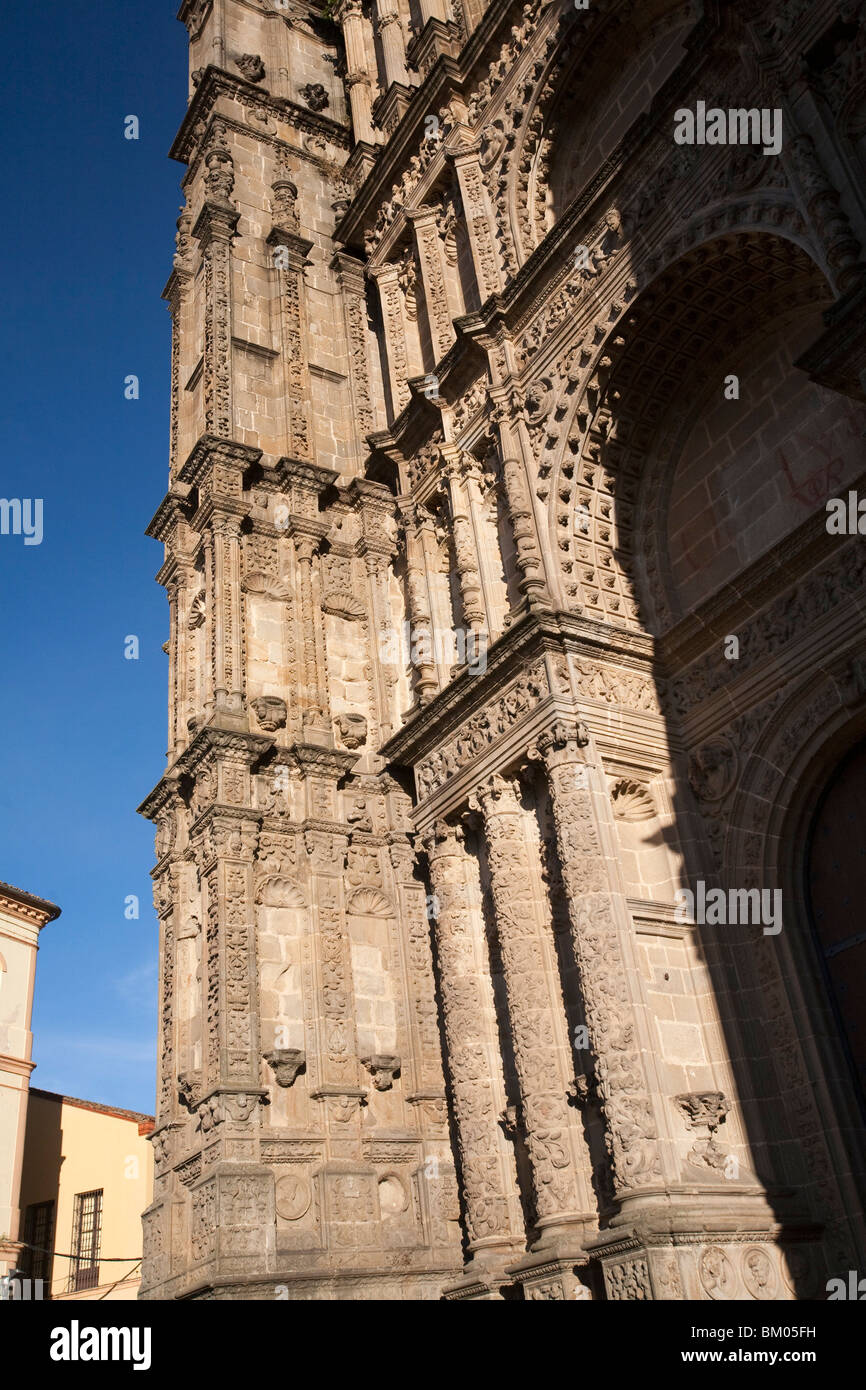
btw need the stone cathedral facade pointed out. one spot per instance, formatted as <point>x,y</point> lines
<point>509,844</point>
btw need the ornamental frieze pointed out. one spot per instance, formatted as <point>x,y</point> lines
<point>483,729</point>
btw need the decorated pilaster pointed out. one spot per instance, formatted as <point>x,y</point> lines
<point>217,469</point>
<point>492,1221</point>
<point>433,278</point>
<point>420,620</point>
<point>391,296</point>
<point>356,33</point>
<point>465,542</point>
<point>216,226</point>
<point>298,516</point>
<point>176,294</point>
<point>290,252</point>
<point>480,220</point>
<point>350,273</point>
<point>506,412</point>
<point>539,1034</point>
<point>597,929</point>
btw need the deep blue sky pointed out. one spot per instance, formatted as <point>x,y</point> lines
<point>88,226</point>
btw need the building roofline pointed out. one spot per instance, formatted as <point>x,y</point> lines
<point>114,1110</point>
<point>17,895</point>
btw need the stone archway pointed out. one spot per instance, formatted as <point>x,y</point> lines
<point>835,877</point>
<point>644,390</point>
<point>787,750</point>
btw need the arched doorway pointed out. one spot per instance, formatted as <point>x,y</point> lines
<point>835,872</point>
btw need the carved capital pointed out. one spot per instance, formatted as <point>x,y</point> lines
<point>383,1069</point>
<point>559,744</point>
<point>286,1063</point>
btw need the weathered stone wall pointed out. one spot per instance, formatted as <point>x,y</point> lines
<point>503,613</point>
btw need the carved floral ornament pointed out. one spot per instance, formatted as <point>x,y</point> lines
<point>315,96</point>
<point>252,66</point>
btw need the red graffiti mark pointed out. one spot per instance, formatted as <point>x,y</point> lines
<point>820,483</point>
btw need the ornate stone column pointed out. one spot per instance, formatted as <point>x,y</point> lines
<point>390,32</point>
<point>438,598</point>
<point>418,603</point>
<point>433,278</point>
<point>316,704</point>
<point>479,214</point>
<point>383,680</point>
<point>228,646</point>
<point>492,1226</point>
<point>290,252</point>
<point>350,274</point>
<point>594,909</point>
<point>164,903</point>
<point>506,407</point>
<point>176,295</point>
<point>823,206</point>
<point>391,297</point>
<point>190,616</point>
<point>465,544</point>
<point>216,467</point>
<point>175,665</point>
<point>350,15</point>
<point>214,229</point>
<point>534,1025</point>
<point>299,518</point>
<point>424,1029</point>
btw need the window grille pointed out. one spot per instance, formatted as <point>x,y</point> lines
<point>86,1235</point>
<point>36,1259</point>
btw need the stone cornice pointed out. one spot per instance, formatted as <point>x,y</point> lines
<point>26,906</point>
<point>215,82</point>
<point>210,450</point>
<point>210,739</point>
<point>448,76</point>
<point>15,1065</point>
<point>173,508</point>
<point>323,762</point>
<point>298,246</point>
<point>310,476</point>
<point>237,743</point>
<point>216,222</point>
<point>507,657</point>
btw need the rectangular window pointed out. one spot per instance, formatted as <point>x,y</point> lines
<point>86,1235</point>
<point>36,1257</point>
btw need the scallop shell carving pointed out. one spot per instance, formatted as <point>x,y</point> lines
<point>631,801</point>
<point>279,891</point>
<point>369,902</point>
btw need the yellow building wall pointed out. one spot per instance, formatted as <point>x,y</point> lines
<point>18,944</point>
<point>70,1149</point>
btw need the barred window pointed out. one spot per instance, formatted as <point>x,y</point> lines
<point>36,1258</point>
<point>86,1235</point>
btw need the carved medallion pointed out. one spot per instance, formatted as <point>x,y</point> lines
<point>293,1196</point>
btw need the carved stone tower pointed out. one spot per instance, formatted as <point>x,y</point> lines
<point>460,520</point>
